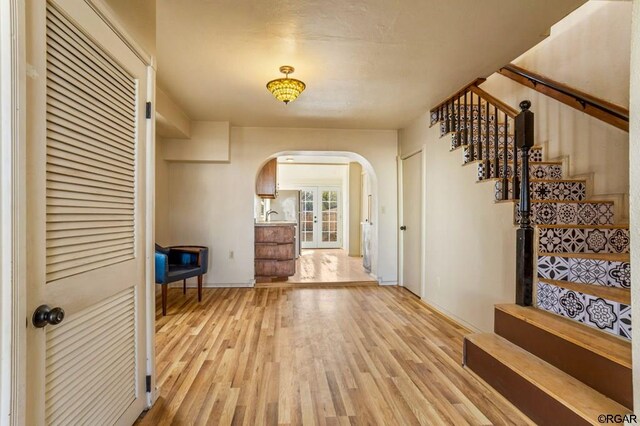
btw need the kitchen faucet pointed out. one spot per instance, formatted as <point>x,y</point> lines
<point>267,214</point>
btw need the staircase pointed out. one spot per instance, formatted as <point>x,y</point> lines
<point>566,359</point>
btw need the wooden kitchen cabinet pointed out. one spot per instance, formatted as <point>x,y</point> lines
<point>267,182</point>
<point>274,252</point>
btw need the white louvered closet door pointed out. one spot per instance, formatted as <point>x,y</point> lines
<point>86,190</point>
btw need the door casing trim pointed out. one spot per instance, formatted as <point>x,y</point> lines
<point>12,212</point>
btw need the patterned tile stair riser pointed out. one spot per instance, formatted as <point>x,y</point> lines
<point>457,110</point>
<point>549,190</point>
<point>569,213</point>
<point>535,154</point>
<point>459,124</point>
<point>547,171</point>
<point>583,240</point>
<point>605,315</point>
<point>474,135</point>
<point>457,140</point>
<point>599,272</point>
<point>435,116</point>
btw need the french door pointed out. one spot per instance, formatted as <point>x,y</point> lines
<point>86,155</point>
<point>321,217</point>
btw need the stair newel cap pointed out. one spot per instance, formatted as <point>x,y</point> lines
<point>525,105</point>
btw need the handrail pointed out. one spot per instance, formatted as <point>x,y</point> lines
<point>511,112</point>
<point>459,93</point>
<point>596,107</point>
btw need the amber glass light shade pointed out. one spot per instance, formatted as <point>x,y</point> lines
<point>286,89</point>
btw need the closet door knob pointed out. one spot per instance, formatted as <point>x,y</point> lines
<point>45,315</point>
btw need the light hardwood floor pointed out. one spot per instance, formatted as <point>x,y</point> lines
<point>329,266</point>
<point>325,356</point>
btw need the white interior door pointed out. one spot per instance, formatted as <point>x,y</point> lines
<point>321,217</point>
<point>412,223</point>
<point>85,224</point>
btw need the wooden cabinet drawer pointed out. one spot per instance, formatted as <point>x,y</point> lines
<point>275,268</point>
<point>275,234</point>
<point>274,251</point>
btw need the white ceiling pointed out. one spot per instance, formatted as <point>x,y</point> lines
<point>374,64</point>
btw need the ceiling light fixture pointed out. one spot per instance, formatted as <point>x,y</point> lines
<point>286,89</point>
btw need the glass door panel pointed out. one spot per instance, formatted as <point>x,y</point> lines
<point>320,216</point>
<point>330,217</point>
<point>308,217</point>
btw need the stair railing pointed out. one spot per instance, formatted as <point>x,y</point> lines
<point>475,119</point>
<point>599,108</point>
<point>462,115</point>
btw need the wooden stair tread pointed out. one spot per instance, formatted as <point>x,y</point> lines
<point>572,393</point>
<point>611,257</point>
<point>619,226</point>
<point>616,294</point>
<point>608,346</point>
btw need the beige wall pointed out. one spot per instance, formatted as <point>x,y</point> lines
<point>213,204</point>
<point>208,142</point>
<point>162,196</point>
<point>293,176</point>
<point>470,241</point>
<point>569,54</point>
<point>138,17</point>
<point>634,142</point>
<point>171,121</point>
<point>588,50</point>
<point>355,199</point>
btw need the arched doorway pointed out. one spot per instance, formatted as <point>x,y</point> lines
<point>331,196</point>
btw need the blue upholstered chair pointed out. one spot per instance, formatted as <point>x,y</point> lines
<point>177,263</point>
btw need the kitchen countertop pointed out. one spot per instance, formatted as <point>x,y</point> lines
<point>276,223</point>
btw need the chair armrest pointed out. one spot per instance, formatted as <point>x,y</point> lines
<point>162,268</point>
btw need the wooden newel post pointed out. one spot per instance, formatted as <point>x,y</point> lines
<point>524,244</point>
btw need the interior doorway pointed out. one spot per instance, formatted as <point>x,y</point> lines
<point>332,224</point>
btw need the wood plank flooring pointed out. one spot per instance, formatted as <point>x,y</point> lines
<point>329,266</point>
<point>315,356</point>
